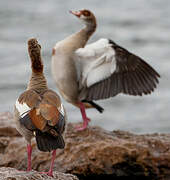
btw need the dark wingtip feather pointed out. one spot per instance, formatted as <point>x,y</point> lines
<point>47,142</point>
<point>99,108</point>
<point>150,76</point>
<point>26,121</point>
<point>60,126</point>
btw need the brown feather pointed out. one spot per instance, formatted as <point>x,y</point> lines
<point>30,97</point>
<point>50,97</point>
<point>38,121</point>
<point>50,113</point>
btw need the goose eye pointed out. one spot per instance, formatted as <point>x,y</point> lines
<point>86,13</point>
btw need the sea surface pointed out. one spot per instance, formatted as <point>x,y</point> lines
<point>142,27</point>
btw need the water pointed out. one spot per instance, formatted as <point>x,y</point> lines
<point>143,27</point>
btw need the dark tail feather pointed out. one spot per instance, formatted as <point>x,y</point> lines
<point>99,108</point>
<point>47,142</point>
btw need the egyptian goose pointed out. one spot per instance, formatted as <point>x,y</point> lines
<point>39,112</point>
<point>100,70</point>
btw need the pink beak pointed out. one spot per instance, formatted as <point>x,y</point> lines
<point>76,13</point>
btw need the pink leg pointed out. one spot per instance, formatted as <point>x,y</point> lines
<point>50,172</point>
<point>85,118</point>
<point>29,152</point>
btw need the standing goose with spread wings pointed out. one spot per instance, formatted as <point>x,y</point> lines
<point>39,112</point>
<point>84,73</point>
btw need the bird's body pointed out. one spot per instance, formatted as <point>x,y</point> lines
<point>100,70</point>
<point>64,50</point>
<point>38,111</point>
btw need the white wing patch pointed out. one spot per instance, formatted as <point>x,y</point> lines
<point>22,108</point>
<point>61,110</point>
<point>93,49</point>
<point>97,74</point>
<point>96,62</point>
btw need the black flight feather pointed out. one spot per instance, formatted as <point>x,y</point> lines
<point>99,108</point>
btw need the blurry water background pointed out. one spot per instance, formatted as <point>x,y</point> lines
<point>142,27</point>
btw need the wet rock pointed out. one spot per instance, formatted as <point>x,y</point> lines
<point>96,153</point>
<point>13,174</point>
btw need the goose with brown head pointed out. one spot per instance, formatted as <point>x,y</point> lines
<point>103,69</point>
<point>39,112</point>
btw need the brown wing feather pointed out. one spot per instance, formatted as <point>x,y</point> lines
<point>50,113</point>
<point>30,97</point>
<point>132,76</point>
<point>44,109</point>
<point>38,121</point>
<point>33,100</point>
<point>49,107</point>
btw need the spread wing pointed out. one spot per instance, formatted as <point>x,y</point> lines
<point>105,69</point>
<point>41,112</point>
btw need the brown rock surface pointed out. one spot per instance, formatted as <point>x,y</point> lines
<point>13,174</point>
<point>96,152</point>
<point>7,126</point>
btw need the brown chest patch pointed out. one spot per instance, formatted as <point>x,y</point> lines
<point>53,51</point>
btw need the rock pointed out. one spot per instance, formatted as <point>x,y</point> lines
<point>96,153</point>
<point>13,174</point>
<point>7,125</point>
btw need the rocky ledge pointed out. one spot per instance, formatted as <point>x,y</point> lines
<point>94,152</point>
<point>7,173</point>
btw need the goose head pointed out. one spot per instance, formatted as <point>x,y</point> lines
<point>86,16</point>
<point>34,50</point>
<point>33,45</point>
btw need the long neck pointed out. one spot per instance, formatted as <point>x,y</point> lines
<point>37,82</point>
<point>89,29</point>
<point>79,39</point>
<point>86,33</point>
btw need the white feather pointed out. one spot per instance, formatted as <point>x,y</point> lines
<point>22,108</point>
<point>98,74</point>
<point>94,49</point>
<point>95,62</point>
<point>61,110</point>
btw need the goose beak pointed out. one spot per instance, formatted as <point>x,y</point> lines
<point>76,13</point>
